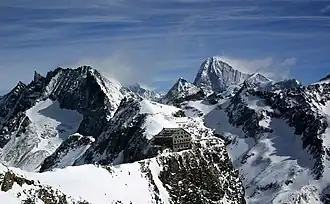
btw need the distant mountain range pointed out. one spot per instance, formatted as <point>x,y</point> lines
<point>74,136</point>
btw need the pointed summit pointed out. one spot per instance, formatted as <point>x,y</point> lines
<point>144,92</point>
<point>257,80</point>
<point>182,85</point>
<point>37,77</point>
<point>183,90</point>
<point>17,90</point>
<point>215,75</point>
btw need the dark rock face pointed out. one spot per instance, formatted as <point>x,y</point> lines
<point>325,195</point>
<point>287,84</point>
<point>124,136</point>
<point>12,107</point>
<point>239,114</point>
<point>194,97</point>
<point>81,90</point>
<point>76,89</point>
<point>213,98</point>
<point>201,176</point>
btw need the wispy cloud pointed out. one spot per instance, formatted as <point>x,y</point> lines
<point>155,42</point>
<point>326,9</point>
<point>274,69</point>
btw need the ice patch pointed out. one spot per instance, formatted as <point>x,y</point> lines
<point>49,126</point>
<point>52,124</point>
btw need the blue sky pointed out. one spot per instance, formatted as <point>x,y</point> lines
<point>155,42</point>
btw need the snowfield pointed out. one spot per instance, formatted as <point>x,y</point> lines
<point>159,117</point>
<point>272,161</point>
<point>48,119</point>
<point>126,183</point>
<point>50,126</point>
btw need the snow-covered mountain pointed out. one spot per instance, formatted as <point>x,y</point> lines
<point>277,132</point>
<point>255,140</point>
<point>279,142</point>
<point>75,117</point>
<point>215,75</point>
<point>144,92</point>
<point>278,138</point>
<point>36,118</point>
<point>183,90</point>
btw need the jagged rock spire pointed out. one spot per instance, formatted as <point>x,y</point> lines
<point>215,75</point>
<point>37,77</point>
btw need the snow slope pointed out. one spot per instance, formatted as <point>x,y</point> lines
<point>68,152</point>
<point>125,183</point>
<point>150,181</point>
<point>97,185</point>
<point>17,189</point>
<point>50,125</point>
<point>159,116</point>
<point>274,168</point>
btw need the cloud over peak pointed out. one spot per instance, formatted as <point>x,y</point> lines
<point>155,42</point>
<point>269,67</point>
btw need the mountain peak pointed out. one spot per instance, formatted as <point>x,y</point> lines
<point>181,84</point>
<point>216,75</point>
<point>257,78</point>
<point>144,92</point>
<point>37,77</point>
<point>183,90</point>
<point>86,68</point>
<point>20,84</point>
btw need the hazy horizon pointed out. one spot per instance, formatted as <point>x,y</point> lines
<point>155,43</point>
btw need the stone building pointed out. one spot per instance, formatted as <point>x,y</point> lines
<point>174,138</point>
